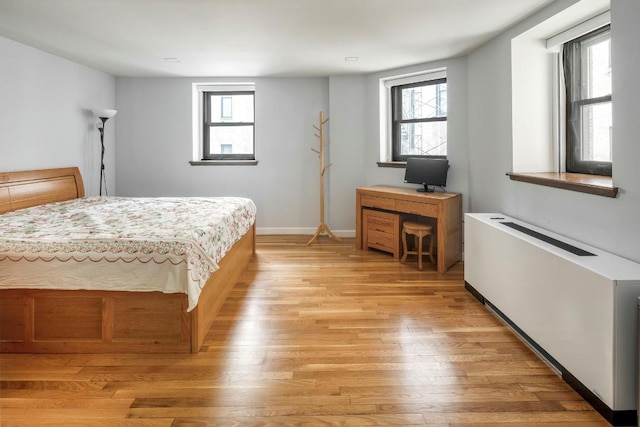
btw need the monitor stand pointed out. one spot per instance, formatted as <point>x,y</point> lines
<point>426,189</point>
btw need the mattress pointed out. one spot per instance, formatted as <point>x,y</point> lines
<point>117,243</point>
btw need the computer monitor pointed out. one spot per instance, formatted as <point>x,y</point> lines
<point>428,172</point>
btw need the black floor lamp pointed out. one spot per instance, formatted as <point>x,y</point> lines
<point>103,115</point>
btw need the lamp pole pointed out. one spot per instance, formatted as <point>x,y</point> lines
<point>103,115</point>
<point>101,128</point>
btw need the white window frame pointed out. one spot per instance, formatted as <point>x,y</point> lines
<point>197,98</point>
<point>554,44</point>
<point>385,85</point>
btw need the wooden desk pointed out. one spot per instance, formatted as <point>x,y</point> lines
<point>446,208</point>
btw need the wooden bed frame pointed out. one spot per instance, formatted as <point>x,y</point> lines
<point>80,321</point>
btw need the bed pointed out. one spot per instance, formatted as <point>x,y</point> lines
<point>111,293</point>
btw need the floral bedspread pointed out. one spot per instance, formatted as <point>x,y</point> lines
<point>195,231</point>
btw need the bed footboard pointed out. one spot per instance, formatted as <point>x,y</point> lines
<point>56,321</point>
<point>79,321</point>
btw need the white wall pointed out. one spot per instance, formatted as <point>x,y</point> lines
<point>610,224</point>
<point>347,95</point>
<point>154,140</point>
<point>532,75</point>
<point>45,119</point>
<point>623,217</point>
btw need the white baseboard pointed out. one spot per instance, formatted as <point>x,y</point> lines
<point>302,230</point>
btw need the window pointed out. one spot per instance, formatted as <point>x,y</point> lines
<point>540,103</point>
<point>228,125</point>
<point>226,107</point>
<point>419,119</point>
<point>587,74</point>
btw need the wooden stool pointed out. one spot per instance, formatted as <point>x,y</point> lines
<point>419,231</point>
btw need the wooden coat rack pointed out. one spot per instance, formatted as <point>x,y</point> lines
<point>320,135</point>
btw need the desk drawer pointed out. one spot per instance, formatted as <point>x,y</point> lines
<point>380,240</point>
<point>381,230</point>
<point>424,209</point>
<point>376,222</point>
<point>378,202</point>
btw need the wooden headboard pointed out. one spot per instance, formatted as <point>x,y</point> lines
<point>23,189</point>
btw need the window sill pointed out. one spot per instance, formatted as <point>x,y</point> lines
<point>223,162</point>
<point>392,164</point>
<point>590,184</point>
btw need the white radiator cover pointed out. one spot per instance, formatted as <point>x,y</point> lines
<point>582,310</point>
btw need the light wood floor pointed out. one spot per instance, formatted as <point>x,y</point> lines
<point>312,335</point>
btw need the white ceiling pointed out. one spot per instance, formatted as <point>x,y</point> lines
<point>256,37</point>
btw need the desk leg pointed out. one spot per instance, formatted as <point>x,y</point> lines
<point>358,222</point>
<point>442,267</point>
<point>442,244</point>
<point>449,236</point>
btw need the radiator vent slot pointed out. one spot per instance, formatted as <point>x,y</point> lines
<point>555,242</point>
